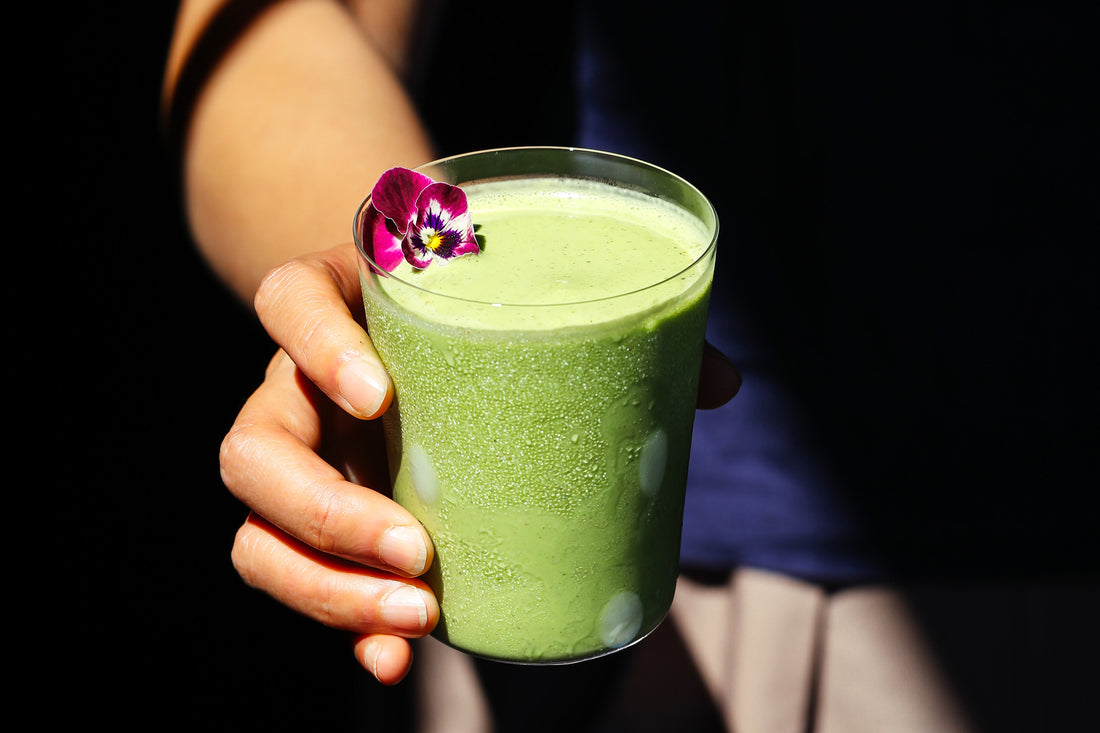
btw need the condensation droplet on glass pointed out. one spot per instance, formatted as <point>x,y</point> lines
<point>423,475</point>
<point>651,465</point>
<point>621,619</point>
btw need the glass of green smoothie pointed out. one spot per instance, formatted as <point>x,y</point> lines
<point>545,390</point>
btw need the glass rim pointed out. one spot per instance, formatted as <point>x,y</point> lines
<point>702,257</point>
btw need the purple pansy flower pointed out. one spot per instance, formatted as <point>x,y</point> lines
<point>414,218</point>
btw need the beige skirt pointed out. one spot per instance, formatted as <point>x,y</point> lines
<point>756,652</point>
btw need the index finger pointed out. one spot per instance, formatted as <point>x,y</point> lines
<point>303,304</point>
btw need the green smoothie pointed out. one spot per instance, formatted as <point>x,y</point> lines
<point>544,397</point>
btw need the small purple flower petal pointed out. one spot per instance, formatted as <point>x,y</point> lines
<point>443,228</point>
<point>392,209</point>
<point>386,247</point>
<point>395,195</point>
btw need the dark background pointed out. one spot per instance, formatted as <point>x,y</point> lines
<point>138,362</point>
<point>144,359</point>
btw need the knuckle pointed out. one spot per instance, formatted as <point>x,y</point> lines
<point>233,446</point>
<point>274,283</point>
<point>326,593</point>
<point>243,555</point>
<point>326,512</point>
<point>294,301</point>
<point>237,451</point>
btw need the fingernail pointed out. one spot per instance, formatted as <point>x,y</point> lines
<point>405,608</point>
<point>403,548</point>
<point>363,384</point>
<point>371,654</point>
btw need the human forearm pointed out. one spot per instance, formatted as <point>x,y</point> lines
<point>288,134</point>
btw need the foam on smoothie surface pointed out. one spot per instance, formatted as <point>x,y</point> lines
<point>559,241</point>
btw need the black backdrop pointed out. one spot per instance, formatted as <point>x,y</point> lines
<point>128,363</point>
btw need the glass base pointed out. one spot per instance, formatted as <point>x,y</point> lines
<point>559,661</point>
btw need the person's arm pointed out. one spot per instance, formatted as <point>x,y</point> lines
<point>285,114</point>
<point>291,126</point>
